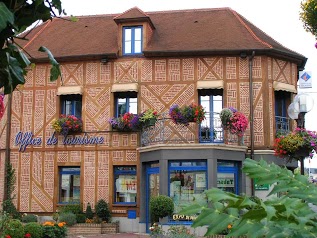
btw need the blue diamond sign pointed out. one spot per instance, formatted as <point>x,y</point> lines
<point>305,79</point>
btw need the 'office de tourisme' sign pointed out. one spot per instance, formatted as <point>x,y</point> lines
<point>23,140</point>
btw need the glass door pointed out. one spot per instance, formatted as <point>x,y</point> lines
<point>152,190</point>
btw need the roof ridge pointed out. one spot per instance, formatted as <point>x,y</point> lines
<point>190,10</point>
<point>249,29</point>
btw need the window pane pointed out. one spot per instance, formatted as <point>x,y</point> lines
<point>125,184</point>
<point>127,47</point>
<point>186,186</point>
<point>78,109</point>
<point>226,182</point>
<point>137,34</point>
<point>217,104</point>
<point>137,47</point>
<point>127,34</point>
<point>122,106</point>
<point>69,185</point>
<point>133,105</point>
<point>68,108</point>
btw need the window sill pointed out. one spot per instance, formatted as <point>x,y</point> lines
<point>124,205</point>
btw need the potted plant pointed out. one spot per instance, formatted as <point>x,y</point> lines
<point>67,124</point>
<point>187,113</point>
<point>161,206</point>
<point>148,117</point>
<point>126,122</point>
<point>234,121</point>
<point>296,145</point>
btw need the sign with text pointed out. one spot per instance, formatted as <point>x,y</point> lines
<point>25,139</point>
<point>305,79</point>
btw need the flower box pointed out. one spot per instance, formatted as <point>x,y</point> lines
<point>67,125</point>
<point>126,122</point>
<point>186,114</point>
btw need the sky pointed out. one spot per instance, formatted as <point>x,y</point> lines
<point>277,18</point>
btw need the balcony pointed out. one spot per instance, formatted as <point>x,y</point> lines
<point>282,125</point>
<point>165,131</point>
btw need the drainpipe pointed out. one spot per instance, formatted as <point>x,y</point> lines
<point>251,114</point>
<point>8,149</point>
<point>251,104</point>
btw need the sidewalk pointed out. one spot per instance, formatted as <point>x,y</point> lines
<point>117,235</point>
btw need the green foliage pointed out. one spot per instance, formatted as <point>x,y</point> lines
<point>15,17</point>
<point>102,210</point>
<point>179,232</point>
<point>89,213</point>
<point>4,219</point>
<point>68,217</point>
<point>73,208</point>
<point>287,216</point>
<point>14,228</point>
<point>7,205</point>
<point>161,206</point>
<point>29,218</point>
<point>34,229</point>
<point>80,218</point>
<point>308,15</point>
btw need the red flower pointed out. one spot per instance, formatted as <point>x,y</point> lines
<point>27,235</point>
<point>7,236</point>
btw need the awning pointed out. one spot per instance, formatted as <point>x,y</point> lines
<point>278,86</point>
<point>215,84</point>
<point>67,90</point>
<point>124,87</point>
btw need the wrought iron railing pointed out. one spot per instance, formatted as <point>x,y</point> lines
<point>282,125</point>
<point>165,131</point>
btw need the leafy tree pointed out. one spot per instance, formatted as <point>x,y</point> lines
<point>161,206</point>
<point>289,215</point>
<point>15,17</point>
<point>309,16</point>
<point>103,211</point>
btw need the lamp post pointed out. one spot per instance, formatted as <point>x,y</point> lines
<point>302,104</point>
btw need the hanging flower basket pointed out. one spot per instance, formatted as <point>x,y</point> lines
<point>65,125</point>
<point>186,114</point>
<point>234,121</point>
<point>296,145</point>
<point>126,122</point>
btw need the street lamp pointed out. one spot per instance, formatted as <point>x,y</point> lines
<point>302,104</point>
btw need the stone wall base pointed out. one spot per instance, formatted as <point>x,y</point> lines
<point>89,229</point>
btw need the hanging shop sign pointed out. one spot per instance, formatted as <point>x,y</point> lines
<point>25,139</point>
<point>305,79</point>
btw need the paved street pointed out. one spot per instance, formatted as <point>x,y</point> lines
<point>118,235</point>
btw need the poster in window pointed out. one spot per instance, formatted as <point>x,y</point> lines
<point>200,180</point>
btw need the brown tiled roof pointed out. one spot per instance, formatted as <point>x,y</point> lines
<point>182,32</point>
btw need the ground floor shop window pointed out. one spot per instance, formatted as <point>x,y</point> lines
<point>187,181</point>
<point>227,176</point>
<point>125,184</point>
<point>69,185</point>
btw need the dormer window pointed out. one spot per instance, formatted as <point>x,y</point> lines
<point>132,40</point>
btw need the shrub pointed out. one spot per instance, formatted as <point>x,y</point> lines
<point>34,229</point>
<point>14,229</point>
<point>54,230</point>
<point>80,218</point>
<point>29,218</point>
<point>161,206</point>
<point>102,210</point>
<point>73,208</point>
<point>89,213</point>
<point>179,232</point>
<point>68,217</point>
